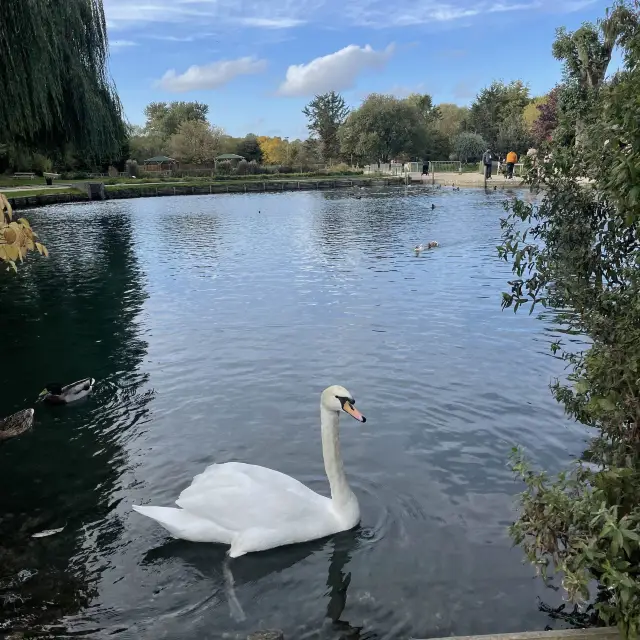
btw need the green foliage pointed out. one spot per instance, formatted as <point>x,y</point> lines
<point>55,87</point>
<point>493,105</point>
<point>144,145</point>
<point>249,148</point>
<point>452,121</point>
<point>224,168</point>
<point>468,146</point>
<point>586,54</point>
<point>384,127</point>
<point>325,115</point>
<point>164,118</point>
<point>579,250</point>
<point>513,132</point>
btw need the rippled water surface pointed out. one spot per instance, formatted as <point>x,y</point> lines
<point>212,324</point>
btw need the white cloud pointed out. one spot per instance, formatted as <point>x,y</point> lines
<point>335,72</point>
<point>410,13</point>
<point>210,76</point>
<point>272,23</point>
<point>575,5</point>
<point>288,14</point>
<point>117,45</point>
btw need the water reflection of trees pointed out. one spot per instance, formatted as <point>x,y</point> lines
<point>61,323</point>
<point>379,222</point>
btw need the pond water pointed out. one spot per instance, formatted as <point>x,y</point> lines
<point>212,324</point>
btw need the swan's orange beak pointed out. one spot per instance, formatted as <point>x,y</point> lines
<point>352,411</point>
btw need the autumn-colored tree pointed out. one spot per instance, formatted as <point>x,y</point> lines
<point>547,119</point>
<point>16,237</point>
<point>274,150</point>
<point>196,142</point>
<point>530,113</point>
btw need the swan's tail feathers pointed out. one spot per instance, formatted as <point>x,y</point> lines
<point>184,525</point>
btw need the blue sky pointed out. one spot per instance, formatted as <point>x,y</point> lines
<point>256,65</point>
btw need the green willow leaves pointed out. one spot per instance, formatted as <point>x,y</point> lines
<point>53,78</point>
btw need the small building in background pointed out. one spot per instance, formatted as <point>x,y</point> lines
<point>160,163</point>
<point>229,157</point>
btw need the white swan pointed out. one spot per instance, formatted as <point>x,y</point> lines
<point>253,508</point>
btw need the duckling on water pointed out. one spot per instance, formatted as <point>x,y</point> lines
<point>16,424</point>
<point>55,393</point>
<point>430,245</point>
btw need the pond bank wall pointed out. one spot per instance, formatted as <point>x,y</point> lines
<point>153,190</point>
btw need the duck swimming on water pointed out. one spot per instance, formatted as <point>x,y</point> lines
<point>55,393</point>
<point>422,247</point>
<point>16,424</point>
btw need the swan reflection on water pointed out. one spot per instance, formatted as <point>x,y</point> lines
<point>229,574</point>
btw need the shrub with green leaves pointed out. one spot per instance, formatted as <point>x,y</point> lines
<point>578,249</point>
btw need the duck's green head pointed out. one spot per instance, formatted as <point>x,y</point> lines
<point>53,388</point>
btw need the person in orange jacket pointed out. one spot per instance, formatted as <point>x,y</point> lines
<point>512,158</point>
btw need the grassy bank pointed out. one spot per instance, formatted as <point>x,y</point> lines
<point>6,182</point>
<point>41,197</point>
<point>39,188</point>
<point>23,193</point>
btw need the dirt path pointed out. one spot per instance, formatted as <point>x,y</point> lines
<point>472,180</point>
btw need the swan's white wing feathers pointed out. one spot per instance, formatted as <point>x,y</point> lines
<point>238,497</point>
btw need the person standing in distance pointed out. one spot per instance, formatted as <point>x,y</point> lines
<point>487,160</point>
<point>512,158</point>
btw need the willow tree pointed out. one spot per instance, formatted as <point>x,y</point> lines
<point>54,81</point>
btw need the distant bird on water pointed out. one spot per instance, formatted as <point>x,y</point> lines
<point>433,206</point>
<point>422,247</point>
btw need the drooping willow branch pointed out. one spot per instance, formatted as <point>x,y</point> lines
<point>54,85</point>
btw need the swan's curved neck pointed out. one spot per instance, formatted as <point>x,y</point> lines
<point>340,491</point>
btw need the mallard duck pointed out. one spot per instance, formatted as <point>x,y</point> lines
<point>432,245</point>
<point>419,247</point>
<point>55,393</point>
<point>16,424</point>
<point>433,206</point>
